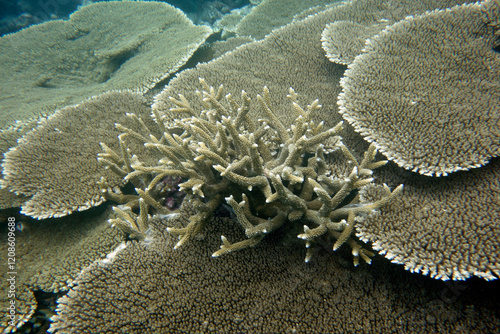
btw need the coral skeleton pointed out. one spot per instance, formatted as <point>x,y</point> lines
<point>269,175</point>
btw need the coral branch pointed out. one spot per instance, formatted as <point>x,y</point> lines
<point>269,175</point>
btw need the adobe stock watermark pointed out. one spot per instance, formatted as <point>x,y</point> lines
<point>11,270</point>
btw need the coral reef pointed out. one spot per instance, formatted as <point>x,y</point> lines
<point>104,46</point>
<point>58,155</point>
<point>344,40</point>
<point>269,175</point>
<point>268,193</point>
<point>151,288</point>
<point>436,73</point>
<point>446,227</point>
<point>359,20</point>
<point>272,14</point>
<point>49,256</point>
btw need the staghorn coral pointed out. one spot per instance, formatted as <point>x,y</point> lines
<point>288,57</point>
<point>150,288</point>
<point>59,155</point>
<point>292,56</point>
<point>269,175</point>
<point>426,90</point>
<point>447,228</point>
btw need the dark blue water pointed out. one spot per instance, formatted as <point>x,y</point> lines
<point>18,14</point>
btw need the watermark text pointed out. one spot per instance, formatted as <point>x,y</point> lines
<point>11,269</point>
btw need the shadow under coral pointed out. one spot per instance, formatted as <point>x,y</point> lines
<point>150,287</point>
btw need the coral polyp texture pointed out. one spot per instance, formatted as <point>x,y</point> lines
<point>426,90</point>
<point>111,45</point>
<point>54,164</point>
<point>270,176</point>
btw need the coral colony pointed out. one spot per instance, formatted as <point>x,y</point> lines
<point>269,175</point>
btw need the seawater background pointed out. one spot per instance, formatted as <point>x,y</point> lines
<point>15,15</point>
